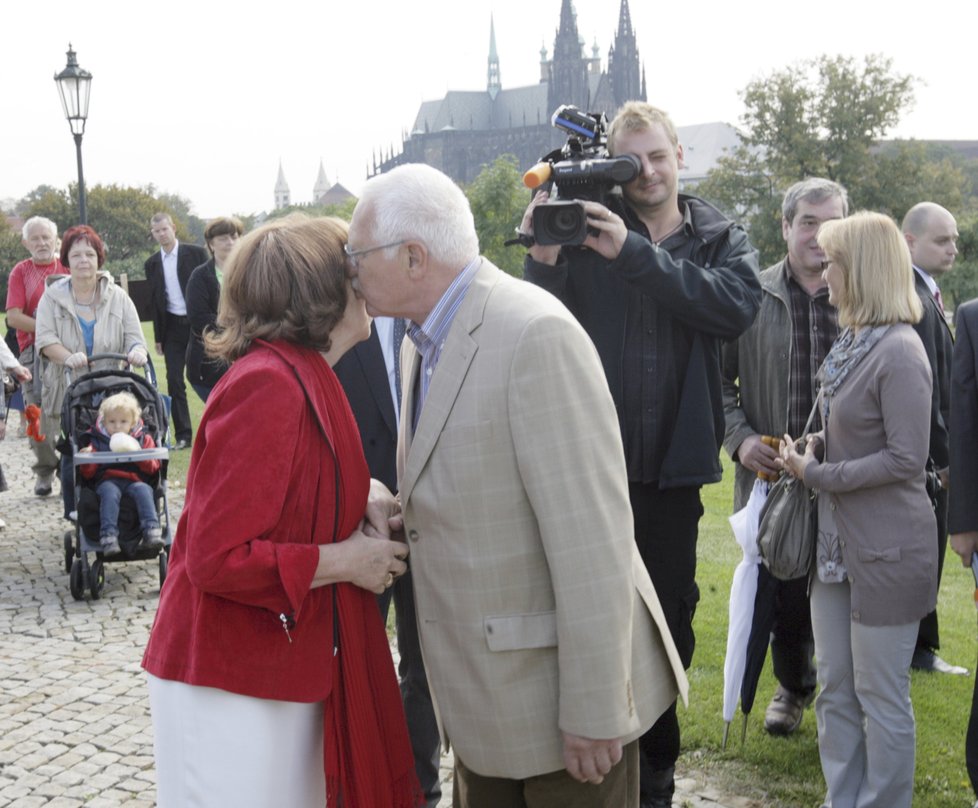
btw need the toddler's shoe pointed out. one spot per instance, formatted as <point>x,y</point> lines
<point>152,538</point>
<point>110,545</point>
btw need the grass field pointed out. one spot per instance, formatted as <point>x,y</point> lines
<point>778,771</point>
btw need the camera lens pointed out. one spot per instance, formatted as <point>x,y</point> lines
<point>560,222</point>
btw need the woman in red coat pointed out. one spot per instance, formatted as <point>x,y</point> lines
<point>268,662</point>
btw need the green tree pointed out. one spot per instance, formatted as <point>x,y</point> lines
<point>11,252</point>
<point>498,199</point>
<point>825,117</point>
<point>120,215</point>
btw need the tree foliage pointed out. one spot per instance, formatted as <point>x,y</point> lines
<point>11,252</point>
<point>120,215</point>
<point>498,198</point>
<point>825,118</point>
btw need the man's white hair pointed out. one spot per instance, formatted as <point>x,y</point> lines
<point>416,201</point>
<point>31,223</point>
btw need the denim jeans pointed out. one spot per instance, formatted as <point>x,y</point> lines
<point>110,492</point>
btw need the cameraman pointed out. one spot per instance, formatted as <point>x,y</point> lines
<point>665,278</point>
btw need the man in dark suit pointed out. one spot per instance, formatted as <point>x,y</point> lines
<point>963,510</point>
<point>931,235</point>
<point>369,373</point>
<point>168,272</point>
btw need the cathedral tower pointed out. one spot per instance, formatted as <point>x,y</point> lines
<point>282,196</point>
<point>623,63</point>
<point>568,68</point>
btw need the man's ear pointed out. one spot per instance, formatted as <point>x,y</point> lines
<point>679,156</point>
<point>417,257</point>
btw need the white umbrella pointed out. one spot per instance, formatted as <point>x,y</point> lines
<point>743,591</point>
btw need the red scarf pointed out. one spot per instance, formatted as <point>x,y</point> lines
<point>369,762</point>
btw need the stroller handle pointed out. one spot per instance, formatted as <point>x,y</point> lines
<point>148,368</point>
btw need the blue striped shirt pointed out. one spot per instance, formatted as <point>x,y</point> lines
<point>429,337</point>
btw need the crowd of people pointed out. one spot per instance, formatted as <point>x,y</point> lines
<point>517,464</point>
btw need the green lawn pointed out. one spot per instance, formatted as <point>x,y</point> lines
<point>777,771</point>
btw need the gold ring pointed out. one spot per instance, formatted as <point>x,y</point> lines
<point>389,580</point>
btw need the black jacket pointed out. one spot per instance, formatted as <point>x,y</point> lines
<point>704,289</point>
<point>202,293</point>
<point>935,333</point>
<point>189,257</point>
<point>363,374</point>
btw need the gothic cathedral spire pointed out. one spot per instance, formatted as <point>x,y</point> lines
<point>568,70</point>
<point>494,85</point>
<point>627,80</point>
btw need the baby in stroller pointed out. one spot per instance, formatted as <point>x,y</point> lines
<point>118,428</point>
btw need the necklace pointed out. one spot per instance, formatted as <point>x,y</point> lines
<point>91,300</point>
<point>658,241</point>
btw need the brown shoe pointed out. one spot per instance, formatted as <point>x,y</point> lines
<point>784,713</point>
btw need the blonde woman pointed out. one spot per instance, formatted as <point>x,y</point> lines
<point>875,573</point>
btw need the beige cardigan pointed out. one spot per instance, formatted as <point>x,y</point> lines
<point>876,441</point>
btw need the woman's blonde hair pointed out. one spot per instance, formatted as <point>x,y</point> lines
<point>122,402</point>
<point>286,280</point>
<point>878,274</point>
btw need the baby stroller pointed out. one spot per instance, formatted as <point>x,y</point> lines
<point>79,412</point>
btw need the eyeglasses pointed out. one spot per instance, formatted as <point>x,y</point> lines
<point>354,256</point>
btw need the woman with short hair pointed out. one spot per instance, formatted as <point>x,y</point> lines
<point>270,674</point>
<point>875,571</point>
<point>203,296</point>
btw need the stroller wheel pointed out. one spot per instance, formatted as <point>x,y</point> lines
<point>76,580</point>
<point>164,561</point>
<point>69,550</point>
<point>96,579</point>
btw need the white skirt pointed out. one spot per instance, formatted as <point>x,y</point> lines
<point>216,749</point>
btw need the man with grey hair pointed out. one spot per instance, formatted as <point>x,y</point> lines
<point>932,234</point>
<point>546,648</point>
<point>25,286</point>
<point>768,390</point>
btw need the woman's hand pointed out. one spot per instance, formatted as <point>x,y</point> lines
<point>792,461</point>
<point>368,562</point>
<point>76,361</point>
<point>137,356</point>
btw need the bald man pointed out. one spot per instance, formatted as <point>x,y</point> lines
<point>931,234</point>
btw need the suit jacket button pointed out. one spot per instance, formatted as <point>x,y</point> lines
<point>413,535</point>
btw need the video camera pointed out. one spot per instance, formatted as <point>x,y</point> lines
<point>580,169</point>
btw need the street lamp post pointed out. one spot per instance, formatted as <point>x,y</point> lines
<point>74,85</point>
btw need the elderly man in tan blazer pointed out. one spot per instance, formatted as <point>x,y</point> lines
<point>547,651</point>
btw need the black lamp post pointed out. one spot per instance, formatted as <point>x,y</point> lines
<point>74,85</point>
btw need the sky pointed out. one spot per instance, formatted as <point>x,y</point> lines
<point>203,99</point>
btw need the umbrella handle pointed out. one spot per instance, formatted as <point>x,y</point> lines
<point>726,733</point>
<point>743,729</point>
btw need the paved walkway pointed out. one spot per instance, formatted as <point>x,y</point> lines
<point>74,717</point>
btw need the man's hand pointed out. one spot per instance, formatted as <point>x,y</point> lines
<point>610,227</point>
<point>382,506</point>
<point>964,544</point>
<point>20,373</point>
<point>588,760</point>
<point>541,253</point>
<point>757,456</point>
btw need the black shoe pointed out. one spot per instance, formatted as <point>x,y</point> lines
<point>658,788</point>
<point>181,444</point>
<point>924,659</point>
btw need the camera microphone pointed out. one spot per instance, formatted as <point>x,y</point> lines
<point>538,175</point>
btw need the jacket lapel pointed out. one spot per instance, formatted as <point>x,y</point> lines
<point>446,382</point>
